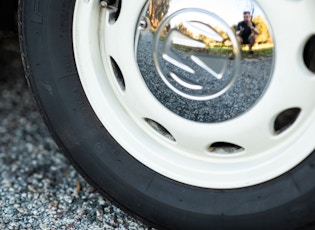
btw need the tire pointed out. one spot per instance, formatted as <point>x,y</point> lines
<point>126,157</point>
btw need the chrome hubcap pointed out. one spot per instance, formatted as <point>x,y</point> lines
<point>189,57</point>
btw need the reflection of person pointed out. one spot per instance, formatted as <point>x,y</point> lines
<point>247,31</point>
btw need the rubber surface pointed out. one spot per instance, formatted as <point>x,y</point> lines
<point>287,202</point>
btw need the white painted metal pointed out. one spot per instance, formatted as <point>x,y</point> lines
<point>188,160</point>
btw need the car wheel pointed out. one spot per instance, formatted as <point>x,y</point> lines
<point>159,107</point>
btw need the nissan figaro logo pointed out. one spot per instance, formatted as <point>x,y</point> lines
<point>196,54</point>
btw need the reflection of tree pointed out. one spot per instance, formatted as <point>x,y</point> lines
<point>221,48</point>
<point>210,42</point>
<point>264,34</point>
<point>157,11</point>
<point>184,30</point>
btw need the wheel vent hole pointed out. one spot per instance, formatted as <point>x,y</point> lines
<point>160,129</point>
<point>225,148</point>
<point>114,6</point>
<point>118,74</point>
<point>285,119</point>
<point>309,54</point>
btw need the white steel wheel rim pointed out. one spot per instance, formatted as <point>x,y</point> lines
<point>188,160</point>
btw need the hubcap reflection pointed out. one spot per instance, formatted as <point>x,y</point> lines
<point>192,61</point>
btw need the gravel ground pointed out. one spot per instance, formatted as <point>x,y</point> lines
<point>39,189</point>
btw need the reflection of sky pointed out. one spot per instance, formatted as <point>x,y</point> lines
<point>230,10</point>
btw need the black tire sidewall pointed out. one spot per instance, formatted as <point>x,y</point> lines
<point>286,202</point>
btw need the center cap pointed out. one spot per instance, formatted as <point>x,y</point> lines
<point>190,56</point>
<point>187,54</point>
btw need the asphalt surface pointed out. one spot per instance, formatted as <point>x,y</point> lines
<point>39,189</point>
